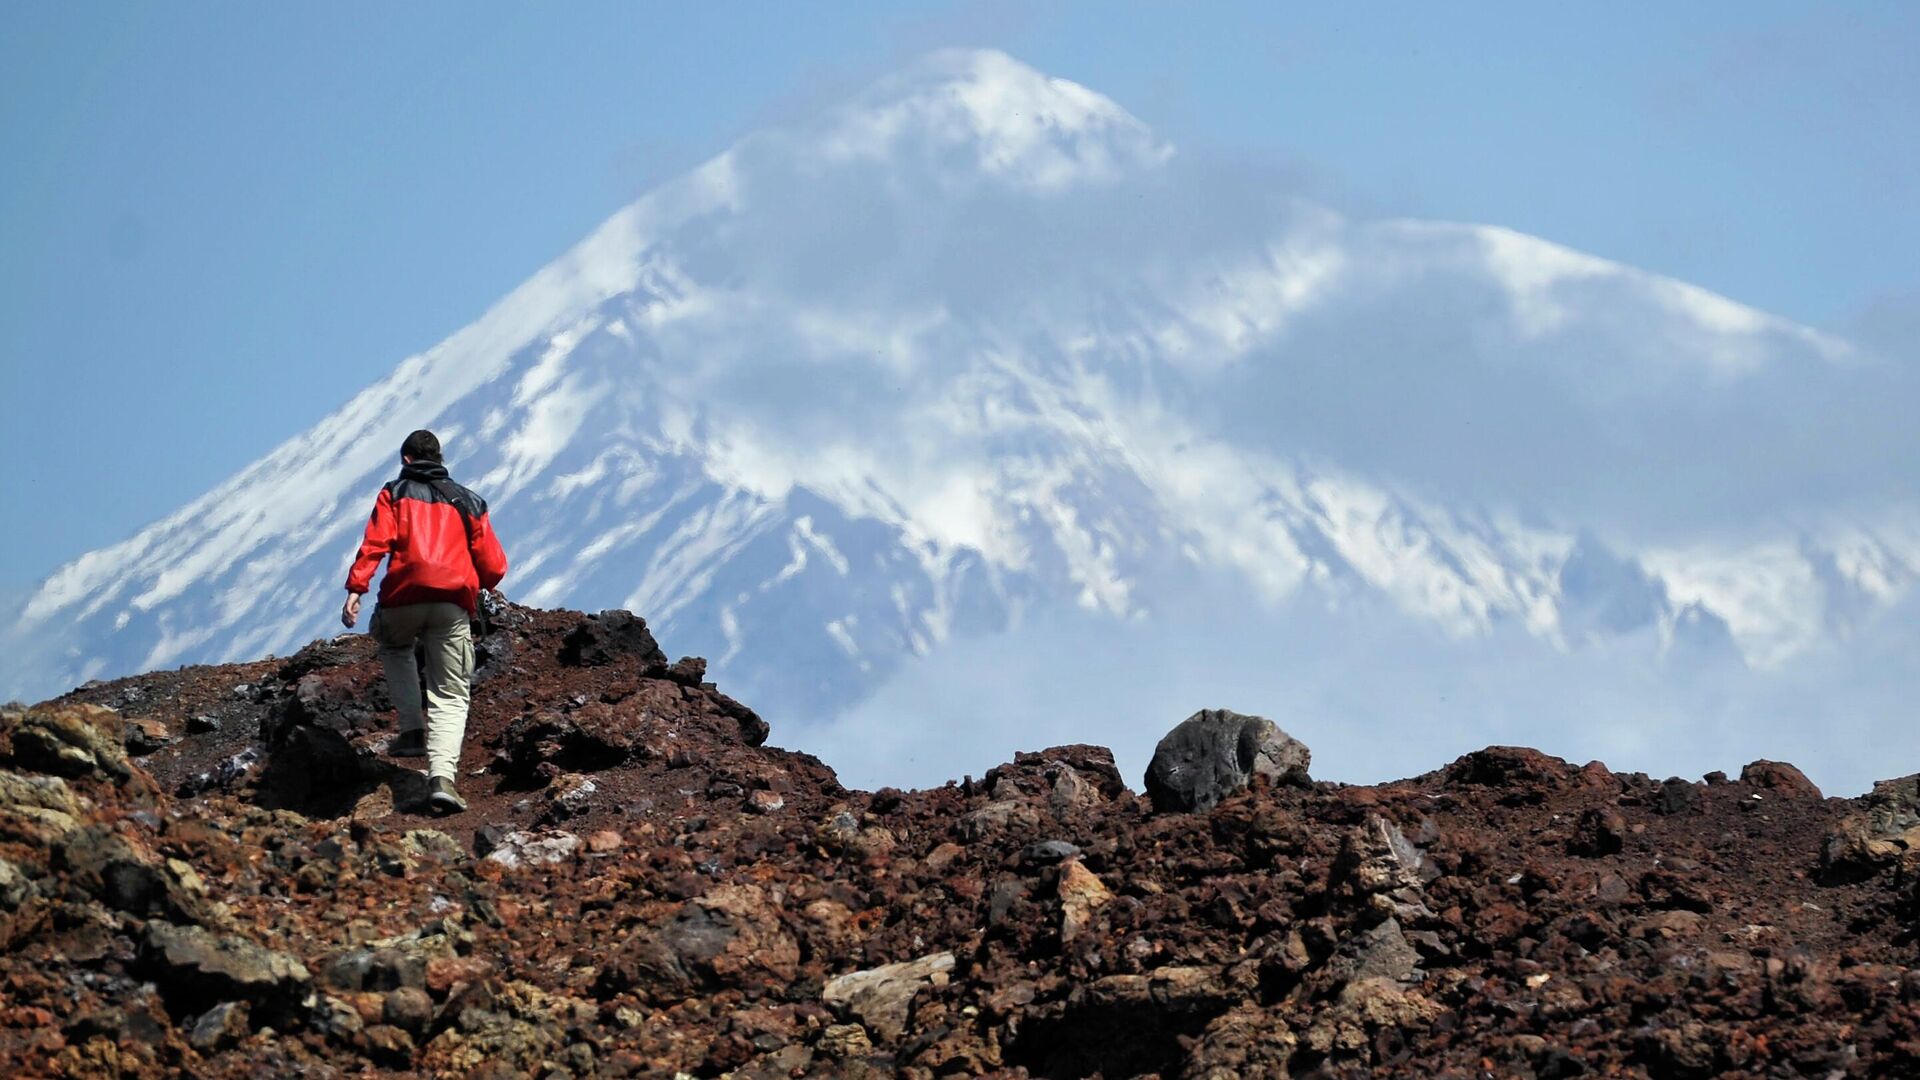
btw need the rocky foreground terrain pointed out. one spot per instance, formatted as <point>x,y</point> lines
<point>217,872</point>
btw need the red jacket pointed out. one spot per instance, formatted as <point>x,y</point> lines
<point>435,551</point>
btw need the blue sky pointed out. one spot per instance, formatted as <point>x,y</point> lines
<point>222,220</point>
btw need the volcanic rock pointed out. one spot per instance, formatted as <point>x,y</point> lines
<point>1380,953</point>
<point>1216,752</point>
<point>1081,894</point>
<point>409,1009</point>
<point>1884,825</point>
<point>144,736</point>
<point>219,1027</point>
<point>270,899</point>
<point>1779,778</point>
<point>198,965</point>
<point>609,637</point>
<point>522,848</point>
<point>1600,831</point>
<point>71,741</point>
<point>1048,852</point>
<point>879,998</point>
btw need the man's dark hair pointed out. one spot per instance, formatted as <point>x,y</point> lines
<point>422,445</point>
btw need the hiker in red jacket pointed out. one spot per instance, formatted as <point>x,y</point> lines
<point>441,553</point>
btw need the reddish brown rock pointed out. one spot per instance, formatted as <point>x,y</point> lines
<point>443,973</point>
<point>1505,915</point>
<point>1779,778</point>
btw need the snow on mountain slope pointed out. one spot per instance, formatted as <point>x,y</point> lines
<point>979,344</point>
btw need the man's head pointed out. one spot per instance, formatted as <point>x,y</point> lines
<point>422,445</point>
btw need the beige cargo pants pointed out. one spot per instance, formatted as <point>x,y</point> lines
<point>443,629</point>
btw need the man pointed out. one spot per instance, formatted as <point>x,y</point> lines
<point>442,553</point>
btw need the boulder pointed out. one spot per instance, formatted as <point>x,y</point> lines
<point>1676,796</point>
<point>1780,778</point>
<point>18,904</point>
<point>522,848</point>
<point>1380,953</point>
<point>407,1008</point>
<point>880,998</point>
<point>130,878</point>
<point>73,741</point>
<point>201,968</point>
<point>1048,852</point>
<point>24,791</point>
<point>1379,866</point>
<point>144,735</point>
<point>425,957</point>
<point>731,938</point>
<point>1884,825</point>
<point>842,833</point>
<point>997,818</point>
<point>1508,767</point>
<point>1216,752</point>
<point>610,637</point>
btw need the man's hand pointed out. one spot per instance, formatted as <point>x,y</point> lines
<point>350,611</point>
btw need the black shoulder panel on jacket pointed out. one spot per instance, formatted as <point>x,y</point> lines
<point>465,500</point>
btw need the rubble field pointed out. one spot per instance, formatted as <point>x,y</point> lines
<point>219,871</point>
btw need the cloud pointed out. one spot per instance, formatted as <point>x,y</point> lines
<point>1467,362</point>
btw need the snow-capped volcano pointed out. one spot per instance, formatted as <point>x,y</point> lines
<point>979,344</point>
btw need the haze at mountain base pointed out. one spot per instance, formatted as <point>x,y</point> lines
<point>1377,696</point>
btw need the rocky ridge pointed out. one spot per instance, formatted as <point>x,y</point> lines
<point>217,872</point>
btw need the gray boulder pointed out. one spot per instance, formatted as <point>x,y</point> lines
<point>882,998</point>
<point>1216,752</point>
<point>199,968</point>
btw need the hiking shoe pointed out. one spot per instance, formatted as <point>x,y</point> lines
<point>442,797</point>
<point>409,744</point>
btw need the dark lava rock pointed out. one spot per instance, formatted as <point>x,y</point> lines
<point>1676,795</point>
<point>1049,852</point>
<point>688,671</point>
<point>1216,752</point>
<point>753,730</point>
<point>195,965</point>
<point>493,656</point>
<point>610,637</point>
<point>1509,767</point>
<point>488,837</point>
